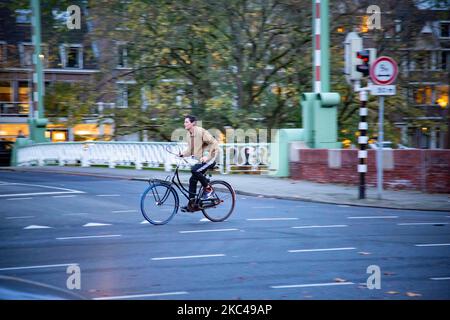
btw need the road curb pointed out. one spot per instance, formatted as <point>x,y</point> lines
<point>240,192</point>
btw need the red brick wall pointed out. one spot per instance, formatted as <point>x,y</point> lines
<point>423,170</point>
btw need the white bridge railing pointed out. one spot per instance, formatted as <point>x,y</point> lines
<point>233,157</point>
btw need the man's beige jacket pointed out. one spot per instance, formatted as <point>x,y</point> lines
<point>202,140</point>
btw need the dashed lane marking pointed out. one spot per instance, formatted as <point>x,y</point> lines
<point>190,257</point>
<point>90,237</point>
<point>320,250</point>
<point>311,285</point>
<point>145,295</point>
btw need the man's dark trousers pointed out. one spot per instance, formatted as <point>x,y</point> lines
<point>198,174</point>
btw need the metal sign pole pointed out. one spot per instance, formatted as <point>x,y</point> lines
<point>380,147</point>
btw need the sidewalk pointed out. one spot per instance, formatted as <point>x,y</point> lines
<point>280,188</point>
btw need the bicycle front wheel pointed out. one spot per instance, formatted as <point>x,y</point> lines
<point>221,204</point>
<point>159,203</point>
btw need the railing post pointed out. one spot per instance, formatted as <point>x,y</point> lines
<point>84,156</point>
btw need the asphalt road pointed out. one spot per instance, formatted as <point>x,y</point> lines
<point>268,249</point>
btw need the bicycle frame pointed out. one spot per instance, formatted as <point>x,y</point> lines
<point>175,180</point>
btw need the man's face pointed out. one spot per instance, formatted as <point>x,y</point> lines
<point>188,124</point>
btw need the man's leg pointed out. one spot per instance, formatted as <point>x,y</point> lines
<point>200,170</point>
<point>193,187</point>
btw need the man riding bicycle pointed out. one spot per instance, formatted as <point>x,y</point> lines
<point>199,140</point>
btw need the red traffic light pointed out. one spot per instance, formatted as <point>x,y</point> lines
<point>364,67</point>
<point>364,55</point>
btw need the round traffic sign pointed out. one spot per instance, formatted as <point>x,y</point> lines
<point>384,70</point>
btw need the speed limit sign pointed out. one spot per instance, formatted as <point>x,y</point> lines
<point>384,70</point>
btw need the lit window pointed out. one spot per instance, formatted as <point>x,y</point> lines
<point>365,24</point>
<point>23,97</point>
<point>5,91</point>
<point>442,95</point>
<point>423,95</point>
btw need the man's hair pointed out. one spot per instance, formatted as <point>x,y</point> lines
<point>191,118</point>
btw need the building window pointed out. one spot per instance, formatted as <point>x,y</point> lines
<point>3,52</point>
<point>122,95</point>
<point>423,95</point>
<point>422,60</point>
<point>71,56</point>
<point>23,16</point>
<point>364,24</point>
<point>122,54</point>
<point>6,91</point>
<point>442,92</point>
<point>445,61</point>
<point>398,26</point>
<point>26,54</point>
<point>444,28</point>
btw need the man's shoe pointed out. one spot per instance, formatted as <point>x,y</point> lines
<point>208,193</point>
<point>190,207</point>
<point>185,209</point>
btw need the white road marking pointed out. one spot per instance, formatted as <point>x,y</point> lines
<point>312,285</point>
<point>145,222</point>
<point>22,217</point>
<point>190,257</point>
<point>107,195</point>
<point>318,250</point>
<point>432,245</point>
<point>96,224</point>
<point>374,217</point>
<point>65,190</point>
<point>74,214</point>
<point>270,219</point>
<point>440,278</point>
<point>210,230</point>
<point>420,223</point>
<point>142,295</point>
<point>343,206</point>
<point>36,227</point>
<point>12,199</point>
<point>40,267</point>
<point>204,219</point>
<point>68,196</point>
<point>123,211</point>
<point>90,237</point>
<point>329,226</point>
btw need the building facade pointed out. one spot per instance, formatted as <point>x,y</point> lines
<point>71,59</point>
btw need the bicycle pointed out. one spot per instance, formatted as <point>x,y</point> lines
<point>160,201</point>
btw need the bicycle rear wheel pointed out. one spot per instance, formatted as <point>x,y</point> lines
<point>220,207</point>
<point>159,203</point>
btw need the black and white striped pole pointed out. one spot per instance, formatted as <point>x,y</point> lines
<point>362,141</point>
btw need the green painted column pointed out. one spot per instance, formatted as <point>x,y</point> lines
<point>37,123</point>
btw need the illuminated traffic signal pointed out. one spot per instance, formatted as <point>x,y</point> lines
<point>364,67</point>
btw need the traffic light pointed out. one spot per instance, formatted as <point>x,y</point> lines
<point>364,67</point>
